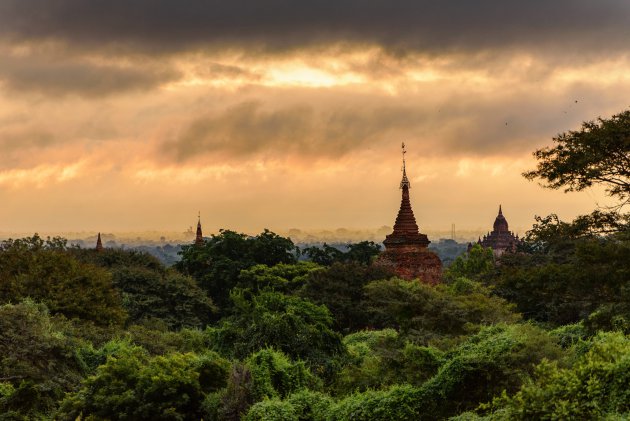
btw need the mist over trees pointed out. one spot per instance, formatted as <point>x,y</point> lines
<point>253,328</point>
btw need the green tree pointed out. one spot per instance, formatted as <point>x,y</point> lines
<point>295,326</point>
<point>37,361</point>
<point>497,358</point>
<point>325,255</point>
<point>599,153</point>
<point>169,296</point>
<point>381,358</point>
<point>363,252</point>
<point>428,313</point>
<point>45,271</point>
<point>282,277</point>
<point>477,264</point>
<point>132,385</point>
<point>340,288</point>
<point>596,387</point>
<point>218,263</point>
<point>563,280</point>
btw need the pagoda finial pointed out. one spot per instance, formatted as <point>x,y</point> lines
<point>199,236</point>
<point>500,211</point>
<point>405,181</point>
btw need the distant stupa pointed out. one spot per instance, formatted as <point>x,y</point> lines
<point>199,236</point>
<point>99,243</point>
<point>406,249</point>
<point>501,239</point>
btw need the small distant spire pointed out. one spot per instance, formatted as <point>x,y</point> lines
<point>500,211</point>
<point>405,181</point>
<point>99,243</point>
<point>199,236</point>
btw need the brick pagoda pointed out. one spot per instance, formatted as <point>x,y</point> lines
<point>199,235</point>
<point>406,249</point>
<point>99,243</point>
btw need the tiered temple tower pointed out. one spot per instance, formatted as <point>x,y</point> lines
<point>406,249</point>
<point>199,236</point>
<point>501,239</point>
<point>99,243</point>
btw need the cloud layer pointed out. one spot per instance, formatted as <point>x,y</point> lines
<point>275,25</point>
<point>291,113</point>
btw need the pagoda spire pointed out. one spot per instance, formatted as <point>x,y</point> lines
<point>99,243</point>
<point>405,181</point>
<point>199,236</point>
<point>405,228</point>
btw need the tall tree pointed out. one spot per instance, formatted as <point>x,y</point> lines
<point>217,264</point>
<point>599,153</point>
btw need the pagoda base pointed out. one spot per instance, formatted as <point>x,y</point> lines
<point>412,263</point>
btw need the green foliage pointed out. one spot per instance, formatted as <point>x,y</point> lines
<point>271,410</point>
<point>476,264</point>
<point>275,376</point>
<point>297,327</point>
<point>173,298</point>
<point>304,405</point>
<point>325,255</point>
<point>218,263</point>
<point>599,153</point>
<point>310,405</point>
<point>158,340</point>
<point>133,385</point>
<point>363,253</point>
<point>340,289</point>
<point>37,360</point>
<point>45,271</point>
<point>398,403</point>
<point>282,277</point>
<point>424,312</point>
<point>498,358</point>
<point>380,358</point>
<point>569,335</point>
<point>569,278</point>
<point>596,387</point>
<point>111,258</point>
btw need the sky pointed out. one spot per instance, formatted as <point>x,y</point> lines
<point>136,115</point>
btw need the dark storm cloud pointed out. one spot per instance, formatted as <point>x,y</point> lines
<point>272,25</point>
<point>61,77</point>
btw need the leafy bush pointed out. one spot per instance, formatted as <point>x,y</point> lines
<point>378,359</point>
<point>424,313</point>
<point>271,410</point>
<point>218,263</point>
<point>173,298</point>
<point>596,387</point>
<point>497,358</point>
<point>282,277</point>
<point>275,376</point>
<point>299,328</point>
<point>133,385</point>
<point>340,288</point>
<point>396,403</point>
<point>37,360</point>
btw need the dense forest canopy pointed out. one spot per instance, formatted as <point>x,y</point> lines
<point>242,328</point>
